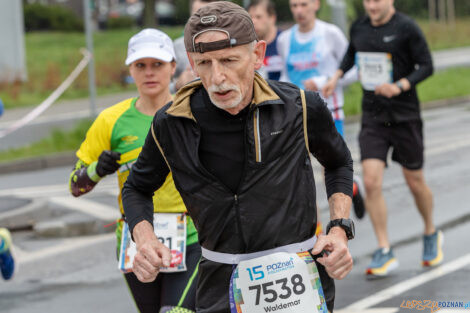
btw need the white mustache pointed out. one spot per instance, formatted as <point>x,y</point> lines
<point>223,88</point>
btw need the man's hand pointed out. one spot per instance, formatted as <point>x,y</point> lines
<point>107,163</point>
<point>338,263</point>
<point>330,86</point>
<point>309,84</point>
<point>387,90</point>
<point>151,253</point>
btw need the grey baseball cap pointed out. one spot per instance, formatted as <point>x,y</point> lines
<point>222,16</point>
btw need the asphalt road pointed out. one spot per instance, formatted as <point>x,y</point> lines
<point>79,274</point>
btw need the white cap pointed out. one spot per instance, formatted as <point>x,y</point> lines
<point>150,43</point>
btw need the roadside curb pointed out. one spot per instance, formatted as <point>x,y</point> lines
<point>39,163</point>
<point>424,106</point>
<point>69,158</point>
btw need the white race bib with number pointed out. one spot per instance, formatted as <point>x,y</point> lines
<point>279,282</point>
<point>375,68</point>
<point>170,228</point>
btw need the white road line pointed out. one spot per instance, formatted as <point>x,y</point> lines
<point>411,283</point>
<point>35,190</point>
<point>452,145</point>
<point>93,208</point>
<point>52,118</point>
<point>431,150</point>
<point>65,246</point>
<point>51,190</point>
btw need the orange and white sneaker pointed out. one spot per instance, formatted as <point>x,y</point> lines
<point>432,249</point>
<point>382,264</point>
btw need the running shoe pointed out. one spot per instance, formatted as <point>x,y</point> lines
<point>358,200</point>
<point>432,250</point>
<point>7,264</point>
<point>383,262</point>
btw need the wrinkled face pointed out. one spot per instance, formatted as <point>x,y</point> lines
<point>228,74</point>
<point>151,76</point>
<point>378,10</point>
<point>262,20</point>
<point>304,11</point>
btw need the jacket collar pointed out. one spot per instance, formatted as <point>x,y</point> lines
<point>181,105</point>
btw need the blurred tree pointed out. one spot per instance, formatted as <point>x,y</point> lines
<point>150,18</point>
<point>462,7</point>
<point>181,11</point>
<point>419,8</point>
<point>282,10</point>
<point>50,17</point>
<point>432,10</point>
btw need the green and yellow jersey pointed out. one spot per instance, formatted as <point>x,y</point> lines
<point>123,128</point>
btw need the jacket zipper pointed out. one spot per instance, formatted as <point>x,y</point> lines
<point>235,196</point>
<point>239,222</point>
<point>257,136</point>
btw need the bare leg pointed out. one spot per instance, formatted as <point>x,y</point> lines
<point>373,171</point>
<point>423,197</point>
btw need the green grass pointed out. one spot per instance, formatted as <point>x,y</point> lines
<point>51,56</point>
<point>451,83</point>
<point>442,36</point>
<point>59,141</point>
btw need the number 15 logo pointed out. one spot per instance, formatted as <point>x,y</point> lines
<point>255,272</point>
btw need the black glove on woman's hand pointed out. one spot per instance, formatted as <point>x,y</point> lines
<point>107,163</point>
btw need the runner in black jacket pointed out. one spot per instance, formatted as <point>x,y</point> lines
<point>393,57</point>
<point>237,149</point>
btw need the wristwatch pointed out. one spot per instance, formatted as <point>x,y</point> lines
<point>400,85</point>
<point>346,224</point>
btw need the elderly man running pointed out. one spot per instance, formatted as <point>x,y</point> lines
<point>238,149</point>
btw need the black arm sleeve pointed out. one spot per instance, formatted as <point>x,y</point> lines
<point>420,55</point>
<point>328,147</point>
<point>147,175</point>
<point>350,57</point>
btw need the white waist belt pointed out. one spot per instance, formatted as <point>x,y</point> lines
<point>228,258</point>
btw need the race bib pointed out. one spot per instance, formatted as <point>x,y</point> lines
<point>279,282</point>
<point>375,68</point>
<point>170,228</point>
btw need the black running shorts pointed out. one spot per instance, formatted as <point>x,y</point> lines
<point>169,289</point>
<point>405,139</point>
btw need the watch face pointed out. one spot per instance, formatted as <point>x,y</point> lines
<point>348,226</point>
<point>353,229</point>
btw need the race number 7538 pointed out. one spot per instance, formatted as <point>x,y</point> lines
<point>270,290</point>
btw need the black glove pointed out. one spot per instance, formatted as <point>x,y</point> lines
<point>107,163</point>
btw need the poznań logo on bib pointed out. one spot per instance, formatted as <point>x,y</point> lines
<point>280,282</point>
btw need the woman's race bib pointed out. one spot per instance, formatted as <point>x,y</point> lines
<point>279,282</point>
<point>170,228</point>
